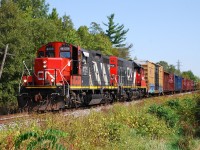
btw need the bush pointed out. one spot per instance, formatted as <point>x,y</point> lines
<point>166,113</point>
<point>174,104</point>
<point>148,125</point>
<point>48,140</point>
<point>114,130</point>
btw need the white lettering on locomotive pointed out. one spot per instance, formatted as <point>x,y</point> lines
<point>40,75</point>
<point>96,72</point>
<point>105,76</point>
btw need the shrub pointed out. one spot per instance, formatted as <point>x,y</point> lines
<point>114,130</point>
<point>174,104</point>
<point>148,125</point>
<point>165,113</point>
<point>48,140</point>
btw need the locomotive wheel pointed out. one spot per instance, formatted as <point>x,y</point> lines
<point>107,98</point>
<point>42,106</point>
<point>75,101</point>
<point>51,104</point>
<point>135,95</point>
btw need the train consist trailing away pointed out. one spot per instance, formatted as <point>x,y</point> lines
<point>65,76</point>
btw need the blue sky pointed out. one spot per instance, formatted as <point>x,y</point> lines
<point>167,30</point>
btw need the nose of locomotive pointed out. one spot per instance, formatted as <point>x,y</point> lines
<point>44,62</point>
<point>51,71</point>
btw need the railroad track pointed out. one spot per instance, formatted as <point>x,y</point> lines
<point>7,118</point>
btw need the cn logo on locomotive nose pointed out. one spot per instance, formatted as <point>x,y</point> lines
<point>40,75</point>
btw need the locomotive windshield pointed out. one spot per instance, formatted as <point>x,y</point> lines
<point>50,51</point>
<point>65,51</point>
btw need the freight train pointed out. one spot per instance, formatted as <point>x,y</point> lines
<point>65,76</point>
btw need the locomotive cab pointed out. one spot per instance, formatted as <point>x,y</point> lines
<point>55,66</point>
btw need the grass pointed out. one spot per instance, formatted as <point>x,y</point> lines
<point>158,124</point>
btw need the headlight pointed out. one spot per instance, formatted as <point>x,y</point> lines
<point>25,80</point>
<point>44,62</point>
<point>44,66</point>
<point>52,80</point>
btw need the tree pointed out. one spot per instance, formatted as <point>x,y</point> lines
<point>95,28</point>
<point>135,58</point>
<point>67,23</point>
<point>115,32</point>
<point>69,34</point>
<point>97,41</point>
<point>117,35</point>
<point>171,69</point>
<point>189,75</point>
<point>124,51</point>
<point>102,43</point>
<point>197,79</point>
<point>86,38</point>
<point>54,14</point>
<point>25,34</point>
<point>164,64</point>
<point>13,31</point>
<point>39,7</point>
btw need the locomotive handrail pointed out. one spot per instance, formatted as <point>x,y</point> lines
<point>21,81</point>
<point>26,68</point>
<point>64,84</point>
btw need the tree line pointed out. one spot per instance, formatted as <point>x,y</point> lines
<point>172,69</point>
<point>26,25</point>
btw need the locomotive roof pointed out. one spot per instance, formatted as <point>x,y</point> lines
<point>137,65</point>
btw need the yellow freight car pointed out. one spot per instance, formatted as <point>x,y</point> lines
<point>153,76</point>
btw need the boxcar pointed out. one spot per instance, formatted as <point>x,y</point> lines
<point>184,84</point>
<point>178,83</point>
<point>190,85</point>
<point>153,76</point>
<point>159,78</point>
<point>168,82</point>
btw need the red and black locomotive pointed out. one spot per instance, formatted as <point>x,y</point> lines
<point>65,75</point>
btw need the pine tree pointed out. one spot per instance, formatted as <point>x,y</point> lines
<point>115,32</point>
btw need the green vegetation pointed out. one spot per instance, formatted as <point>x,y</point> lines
<point>26,26</point>
<point>159,123</point>
<point>117,35</point>
<point>48,140</point>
